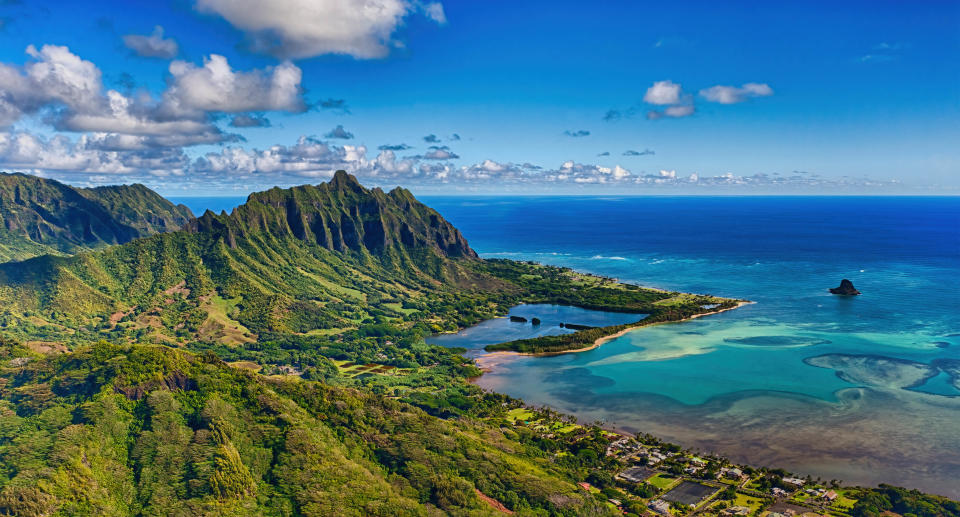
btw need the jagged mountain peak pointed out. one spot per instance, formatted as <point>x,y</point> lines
<point>340,215</point>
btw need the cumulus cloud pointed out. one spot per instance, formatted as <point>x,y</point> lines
<point>586,173</point>
<point>340,133</point>
<point>663,93</point>
<point>578,133</point>
<point>294,29</point>
<point>153,45</point>
<point>431,139</point>
<point>733,95</point>
<point>216,87</point>
<point>69,92</point>
<point>106,158</point>
<point>644,152</point>
<point>249,120</point>
<point>440,153</point>
<point>56,76</point>
<point>308,157</point>
<point>26,152</point>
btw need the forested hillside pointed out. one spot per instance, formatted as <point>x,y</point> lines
<point>148,430</point>
<point>40,216</point>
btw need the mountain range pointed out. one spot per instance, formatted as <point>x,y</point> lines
<point>41,216</point>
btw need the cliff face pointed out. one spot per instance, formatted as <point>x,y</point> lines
<point>340,215</point>
<point>39,216</point>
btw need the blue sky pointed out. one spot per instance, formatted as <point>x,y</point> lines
<point>531,97</point>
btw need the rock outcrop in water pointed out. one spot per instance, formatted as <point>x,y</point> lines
<point>535,321</point>
<point>846,288</point>
<point>518,319</point>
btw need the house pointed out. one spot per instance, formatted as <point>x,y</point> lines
<point>693,469</point>
<point>797,482</point>
<point>660,506</point>
<point>731,473</point>
<point>829,495</point>
<point>736,511</point>
<point>698,461</point>
<point>655,457</point>
<point>779,492</point>
<point>584,485</point>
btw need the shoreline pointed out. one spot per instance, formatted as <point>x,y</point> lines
<point>602,340</point>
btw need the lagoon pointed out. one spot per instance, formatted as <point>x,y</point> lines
<point>501,330</point>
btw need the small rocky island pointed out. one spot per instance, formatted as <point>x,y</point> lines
<point>518,319</point>
<point>846,288</point>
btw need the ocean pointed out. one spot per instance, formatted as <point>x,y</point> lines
<point>850,388</point>
<point>861,389</point>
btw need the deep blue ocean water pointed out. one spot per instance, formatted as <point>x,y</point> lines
<point>831,386</point>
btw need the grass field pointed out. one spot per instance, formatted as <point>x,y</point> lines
<point>662,481</point>
<point>753,503</point>
<point>519,414</point>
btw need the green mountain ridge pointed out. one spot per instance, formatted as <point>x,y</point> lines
<point>289,260</point>
<point>41,216</point>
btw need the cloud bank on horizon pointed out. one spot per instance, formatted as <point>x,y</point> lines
<point>187,108</point>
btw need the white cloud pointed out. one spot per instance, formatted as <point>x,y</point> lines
<point>733,95</point>
<point>56,76</point>
<point>434,11</point>
<point>682,110</point>
<point>440,153</point>
<point>663,93</point>
<point>293,29</point>
<point>386,164</point>
<point>308,157</point>
<point>215,87</point>
<point>153,45</point>
<point>69,92</point>
<point>26,152</point>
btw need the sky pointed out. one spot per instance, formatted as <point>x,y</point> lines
<point>222,97</point>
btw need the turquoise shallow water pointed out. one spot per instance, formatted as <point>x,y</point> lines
<point>743,382</point>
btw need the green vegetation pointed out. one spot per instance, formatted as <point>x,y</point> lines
<point>40,216</point>
<point>272,362</point>
<point>662,481</point>
<point>886,498</point>
<point>108,430</point>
